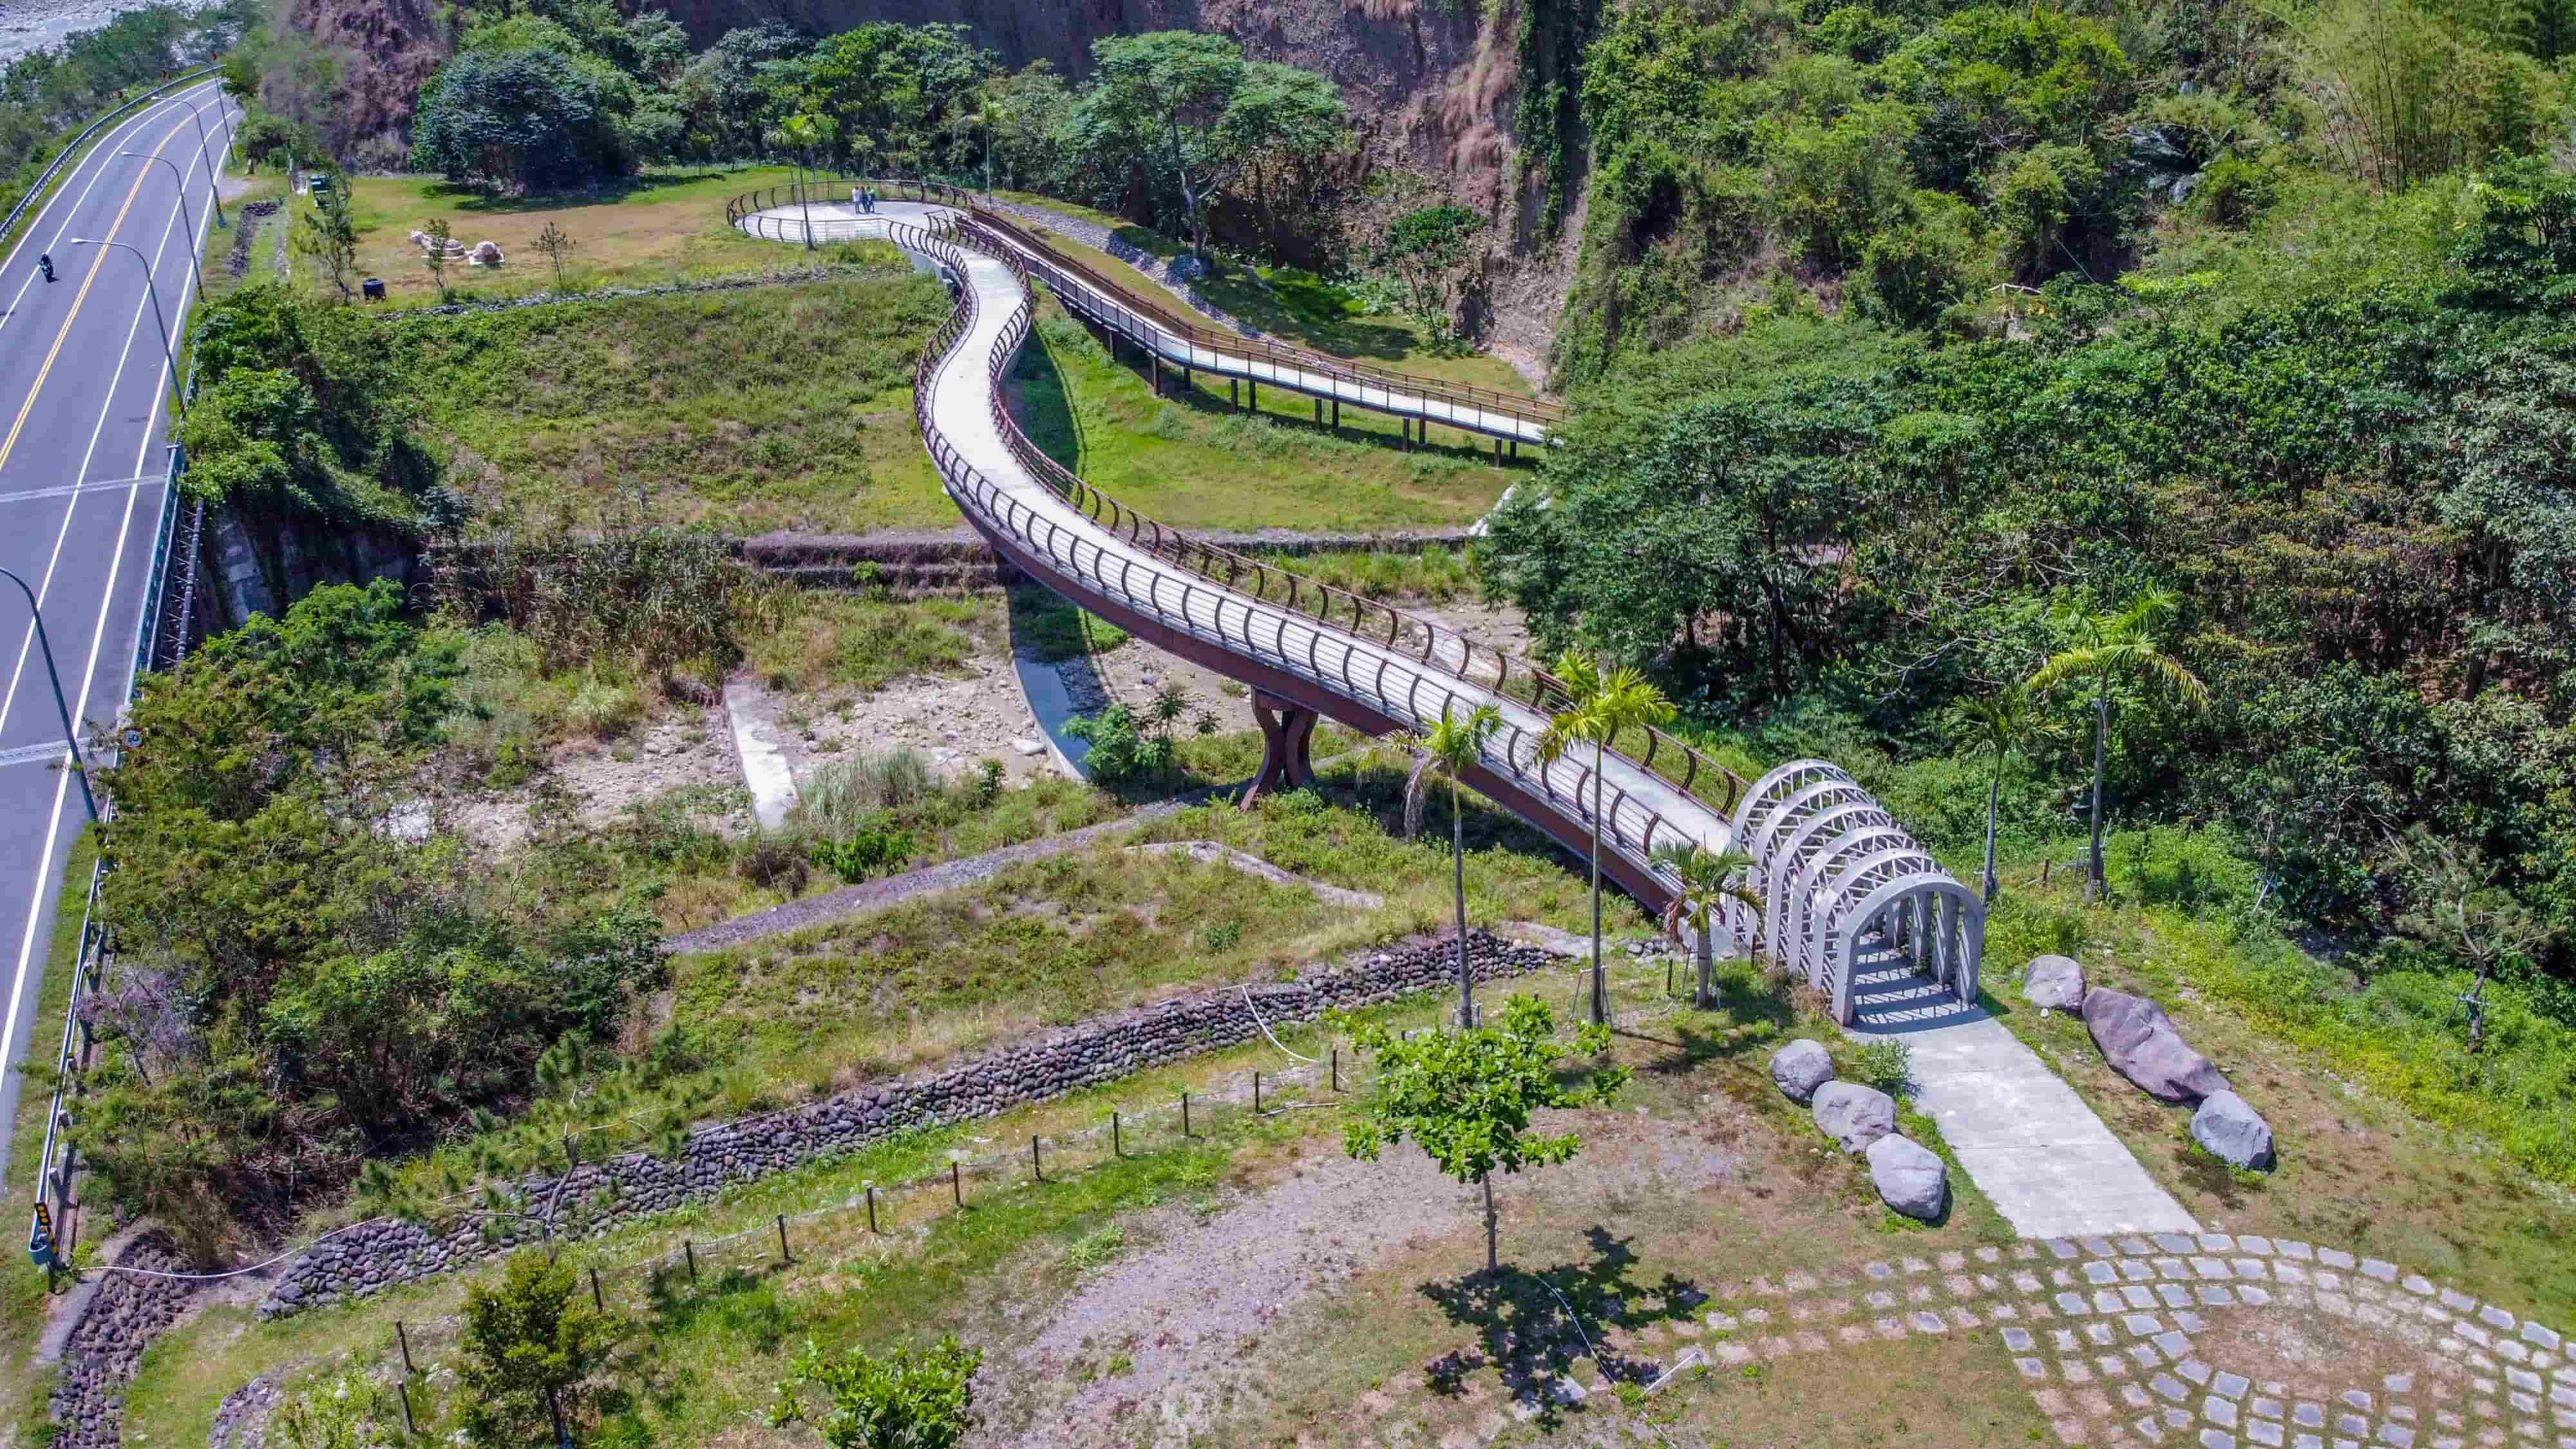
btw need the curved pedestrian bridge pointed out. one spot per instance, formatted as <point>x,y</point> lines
<point>1308,650</point>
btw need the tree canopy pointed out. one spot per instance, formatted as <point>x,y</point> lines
<point>1187,110</point>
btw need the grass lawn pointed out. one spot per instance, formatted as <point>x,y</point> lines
<point>806,1015</point>
<point>1193,461</point>
<point>786,407</point>
<point>1700,1178</point>
<point>655,229</point>
<point>2334,1074</point>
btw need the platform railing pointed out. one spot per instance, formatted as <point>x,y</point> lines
<point>1139,317</point>
<point>1333,622</point>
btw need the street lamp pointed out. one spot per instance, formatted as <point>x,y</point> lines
<point>212,188</point>
<point>71,738</point>
<point>82,241</point>
<point>184,215</point>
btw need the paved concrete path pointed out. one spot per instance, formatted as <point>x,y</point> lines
<point>2028,1141</point>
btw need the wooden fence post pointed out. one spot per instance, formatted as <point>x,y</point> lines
<point>1116,1149</point>
<point>691,1249</point>
<point>783,1255</point>
<point>405,1340</point>
<point>596,1301</point>
<point>1185,1116</point>
<point>956,1189</point>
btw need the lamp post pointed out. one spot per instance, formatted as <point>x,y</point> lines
<point>166,352</point>
<point>212,188</point>
<point>184,215</point>
<point>71,738</point>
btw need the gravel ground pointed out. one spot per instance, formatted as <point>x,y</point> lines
<point>1183,1307</point>
<point>27,26</point>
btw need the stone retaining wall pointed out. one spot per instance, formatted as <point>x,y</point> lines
<point>122,1318</point>
<point>600,1196</point>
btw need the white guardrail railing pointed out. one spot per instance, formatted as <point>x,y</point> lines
<point>1395,665</point>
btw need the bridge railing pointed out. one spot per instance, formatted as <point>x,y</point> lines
<point>1143,314</point>
<point>1672,762</point>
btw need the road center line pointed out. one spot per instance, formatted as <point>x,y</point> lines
<point>38,387</point>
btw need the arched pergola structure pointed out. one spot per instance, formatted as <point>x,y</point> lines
<point>1840,878</point>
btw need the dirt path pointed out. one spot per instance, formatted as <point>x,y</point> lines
<point>1184,1308</point>
<point>1206,1310</point>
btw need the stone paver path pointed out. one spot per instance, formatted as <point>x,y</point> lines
<point>2126,1339</point>
<point>2051,1167</point>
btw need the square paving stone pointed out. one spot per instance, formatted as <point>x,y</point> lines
<point>2263,1432</point>
<point>2219,1411</point>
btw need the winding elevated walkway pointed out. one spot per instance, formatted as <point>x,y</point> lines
<point>1308,650</point>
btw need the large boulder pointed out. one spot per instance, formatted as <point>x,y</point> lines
<point>2233,1131</point>
<point>1854,1115</point>
<point>1799,1068</point>
<point>1909,1177</point>
<point>2054,983</point>
<point>2139,1041</point>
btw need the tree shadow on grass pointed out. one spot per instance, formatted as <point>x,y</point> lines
<point>1533,1325</point>
<point>486,201</point>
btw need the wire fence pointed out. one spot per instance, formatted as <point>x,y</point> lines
<point>901,1212</point>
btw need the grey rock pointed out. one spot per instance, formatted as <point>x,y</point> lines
<point>1909,1177</point>
<point>2054,983</point>
<point>2233,1131</point>
<point>1854,1115</point>
<point>1799,1068</point>
<point>2139,1042</point>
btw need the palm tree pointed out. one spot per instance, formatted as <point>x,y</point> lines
<point>2117,647</point>
<point>800,134</point>
<point>1449,750</point>
<point>1710,878</point>
<point>1597,709</point>
<point>2009,720</point>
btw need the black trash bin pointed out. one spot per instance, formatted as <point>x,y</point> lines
<point>373,289</point>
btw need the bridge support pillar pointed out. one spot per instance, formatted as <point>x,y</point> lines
<point>1287,740</point>
<point>1233,395</point>
<point>1337,415</point>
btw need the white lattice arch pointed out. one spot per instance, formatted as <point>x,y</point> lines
<point>1943,929</point>
<point>1817,836</point>
<point>1834,870</point>
<point>1819,884</point>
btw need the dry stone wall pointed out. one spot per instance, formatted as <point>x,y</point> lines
<point>122,1318</point>
<point>597,1197</point>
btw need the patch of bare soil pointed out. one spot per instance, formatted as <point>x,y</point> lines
<point>597,780</point>
<point>1187,1312</point>
<point>1171,1342</point>
<point>954,723</point>
<point>2312,1353</point>
<point>1498,625</point>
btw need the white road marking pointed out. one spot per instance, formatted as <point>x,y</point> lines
<point>98,633</point>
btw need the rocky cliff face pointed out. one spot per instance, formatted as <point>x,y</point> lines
<point>1431,86</point>
<point>387,48</point>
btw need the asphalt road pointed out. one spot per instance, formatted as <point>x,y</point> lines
<point>85,396</point>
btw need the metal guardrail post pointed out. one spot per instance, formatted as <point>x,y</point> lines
<point>36,189</point>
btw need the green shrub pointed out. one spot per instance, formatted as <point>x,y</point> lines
<point>864,854</point>
<point>1887,1064</point>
